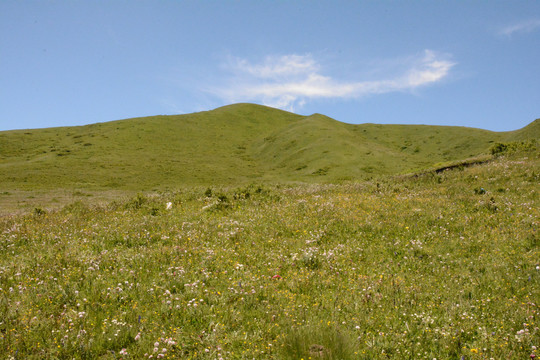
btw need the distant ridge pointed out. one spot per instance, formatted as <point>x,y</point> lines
<point>234,144</point>
<point>531,131</point>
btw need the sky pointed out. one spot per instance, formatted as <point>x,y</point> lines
<point>462,63</point>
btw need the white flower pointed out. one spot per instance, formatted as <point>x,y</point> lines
<point>168,206</point>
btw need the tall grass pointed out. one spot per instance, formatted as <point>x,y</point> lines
<point>415,268</point>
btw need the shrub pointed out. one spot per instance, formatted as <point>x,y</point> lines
<point>39,211</point>
<point>321,342</point>
<point>513,147</point>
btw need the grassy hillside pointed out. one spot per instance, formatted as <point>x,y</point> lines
<point>531,131</point>
<point>318,145</point>
<point>443,265</point>
<point>141,153</point>
<point>202,264</point>
<point>234,144</point>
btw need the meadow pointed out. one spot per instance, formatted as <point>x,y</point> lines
<point>438,265</point>
<point>231,145</point>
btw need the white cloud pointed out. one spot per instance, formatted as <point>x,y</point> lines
<point>526,26</point>
<point>289,81</point>
<point>275,67</point>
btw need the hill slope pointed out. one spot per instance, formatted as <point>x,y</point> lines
<point>320,271</point>
<point>232,144</point>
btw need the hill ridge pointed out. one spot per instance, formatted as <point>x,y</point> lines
<point>237,143</point>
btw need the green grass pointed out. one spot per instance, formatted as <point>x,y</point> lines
<point>249,232</point>
<point>235,144</point>
<point>441,265</point>
<point>140,154</point>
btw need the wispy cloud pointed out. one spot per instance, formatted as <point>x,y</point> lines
<point>526,26</point>
<point>289,81</point>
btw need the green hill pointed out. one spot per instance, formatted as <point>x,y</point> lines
<point>234,144</point>
<point>531,131</point>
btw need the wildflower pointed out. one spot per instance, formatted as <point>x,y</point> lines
<point>276,277</point>
<point>123,352</point>
<point>168,206</point>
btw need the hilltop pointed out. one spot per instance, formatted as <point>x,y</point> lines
<point>235,144</point>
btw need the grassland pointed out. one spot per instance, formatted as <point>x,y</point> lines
<point>252,233</point>
<point>442,265</point>
<point>236,144</point>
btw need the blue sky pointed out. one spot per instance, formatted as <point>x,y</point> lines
<point>465,63</point>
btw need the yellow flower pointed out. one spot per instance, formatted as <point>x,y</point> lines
<point>474,351</point>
